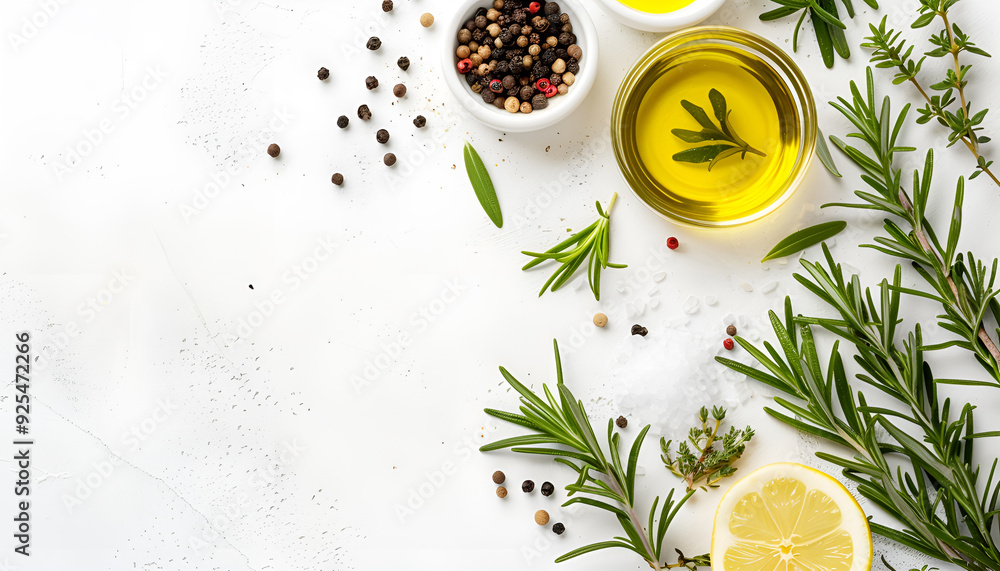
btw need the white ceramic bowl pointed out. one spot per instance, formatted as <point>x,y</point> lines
<point>683,18</point>
<point>560,107</point>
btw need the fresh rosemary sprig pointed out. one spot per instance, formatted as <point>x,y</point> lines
<point>731,143</point>
<point>826,21</point>
<point>697,459</point>
<point>890,51</point>
<point>964,286</point>
<point>593,243</point>
<point>928,483</point>
<point>891,568</point>
<point>560,428</point>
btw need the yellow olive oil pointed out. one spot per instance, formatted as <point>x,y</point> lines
<point>762,110</point>
<point>656,6</point>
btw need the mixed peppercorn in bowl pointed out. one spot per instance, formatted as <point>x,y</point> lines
<point>520,65</point>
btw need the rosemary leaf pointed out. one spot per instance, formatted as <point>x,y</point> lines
<point>823,152</point>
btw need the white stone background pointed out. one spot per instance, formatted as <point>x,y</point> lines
<point>257,452</point>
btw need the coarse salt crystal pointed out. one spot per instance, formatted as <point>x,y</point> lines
<point>691,305</point>
<point>769,287</point>
<point>711,300</point>
<point>659,276</point>
<point>746,286</point>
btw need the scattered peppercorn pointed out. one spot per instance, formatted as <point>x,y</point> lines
<point>420,121</point>
<point>527,486</point>
<point>427,19</point>
<point>371,82</point>
<point>387,5</point>
<point>403,63</point>
<point>547,489</point>
<point>399,90</point>
<point>501,492</point>
<point>343,121</point>
<point>731,331</point>
<point>382,136</point>
<point>558,529</point>
<point>600,319</point>
<point>364,113</point>
<point>622,422</point>
<point>541,517</point>
<point>273,149</point>
<point>728,344</point>
<point>337,179</point>
<point>389,159</point>
<point>373,43</point>
<point>323,74</point>
<point>672,243</point>
<point>639,330</point>
<point>499,477</point>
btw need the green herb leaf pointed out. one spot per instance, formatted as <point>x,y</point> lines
<point>724,131</point>
<point>805,238</point>
<point>483,185</point>
<point>823,152</point>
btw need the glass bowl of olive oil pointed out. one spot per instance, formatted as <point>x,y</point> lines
<point>714,127</point>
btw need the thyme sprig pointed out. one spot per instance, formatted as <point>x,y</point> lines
<point>929,483</point>
<point>698,460</point>
<point>727,142</point>
<point>593,244</point>
<point>560,427</point>
<point>826,21</point>
<point>890,51</point>
<point>964,286</point>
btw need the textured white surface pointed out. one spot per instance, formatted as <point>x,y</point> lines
<point>338,431</point>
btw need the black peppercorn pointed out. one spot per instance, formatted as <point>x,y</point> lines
<point>479,35</point>
<point>573,67</point>
<point>364,113</point>
<point>561,53</point>
<point>399,90</point>
<point>539,102</point>
<point>564,18</point>
<point>323,74</point>
<point>526,93</point>
<point>554,19</point>
<point>622,422</point>
<point>343,121</point>
<point>731,331</point>
<point>273,149</point>
<point>515,30</point>
<point>382,136</point>
<point>555,79</point>
<point>482,22</point>
<point>470,78</point>
<point>387,5</point>
<point>549,56</point>
<point>520,16</point>
<point>547,489</point>
<point>403,63</point>
<point>489,96</point>
<point>337,179</point>
<point>470,25</point>
<point>566,39</point>
<point>498,477</point>
<point>527,486</point>
<point>373,43</point>
<point>371,82</point>
<point>551,8</point>
<point>420,121</point>
<point>558,529</point>
<point>389,159</point>
<point>639,330</point>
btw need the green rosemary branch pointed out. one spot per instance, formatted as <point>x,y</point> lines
<point>698,460</point>
<point>964,286</point>
<point>726,142</point>
<point>560,428</point>
<point>890,51</point>
<point>593,243</point>
<point>826,21</point>
<point>930,485</point>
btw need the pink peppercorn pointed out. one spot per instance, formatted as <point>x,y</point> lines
<point>496,86</point>
<point>534,7</point>
<point>728,344</point>
<point>551,91</point>
<point>465,65</point>
<point>542,84</point>
<point>672,243</point>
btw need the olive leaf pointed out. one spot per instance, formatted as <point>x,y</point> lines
<point>711,154</point>
<point>823,152</point>
<point>483,185</point>
<point>805,238</point>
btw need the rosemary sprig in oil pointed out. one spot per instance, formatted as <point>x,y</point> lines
<point>726,142</point>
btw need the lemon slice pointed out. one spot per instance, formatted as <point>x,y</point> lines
<point>789,517</point>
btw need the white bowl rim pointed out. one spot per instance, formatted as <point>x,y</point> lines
<point>560,107</point>
<point>667,22</point>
